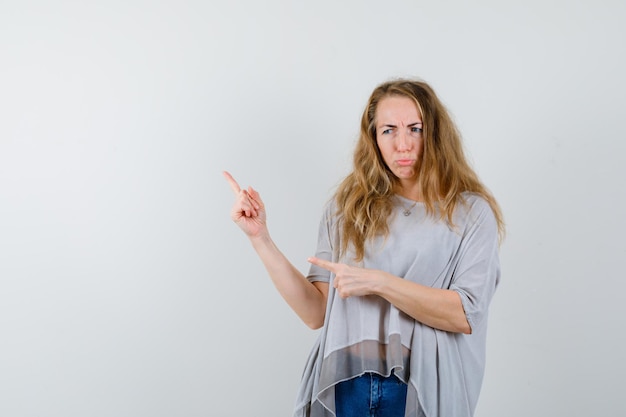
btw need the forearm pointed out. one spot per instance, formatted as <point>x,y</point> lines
<point>306,300</point>
<point>438,308</point>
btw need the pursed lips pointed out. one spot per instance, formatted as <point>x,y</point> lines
<point>405,161</point>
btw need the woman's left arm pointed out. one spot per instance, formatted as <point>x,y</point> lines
<point>434,307</point>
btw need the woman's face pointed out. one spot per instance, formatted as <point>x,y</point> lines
<point>399,137</point>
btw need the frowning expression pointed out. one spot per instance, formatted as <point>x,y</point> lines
<point>399,136</point>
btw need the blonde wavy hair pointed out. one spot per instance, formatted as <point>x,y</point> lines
<point>365,197</point>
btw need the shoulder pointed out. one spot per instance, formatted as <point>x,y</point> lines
<point>330,212</point>
<point>473,202</point>
<point>330,208</point>
<point>474,209</point>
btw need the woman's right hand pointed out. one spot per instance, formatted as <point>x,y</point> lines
<point>248,211</point>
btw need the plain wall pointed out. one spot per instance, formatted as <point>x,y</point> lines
<point>125,289</point>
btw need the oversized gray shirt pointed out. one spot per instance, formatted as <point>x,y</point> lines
<point>443,370</point>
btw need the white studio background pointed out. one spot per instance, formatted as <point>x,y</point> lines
<point>125,290</point>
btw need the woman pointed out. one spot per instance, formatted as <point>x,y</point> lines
<point>406,266</point>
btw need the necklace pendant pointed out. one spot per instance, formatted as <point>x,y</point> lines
<point>406,212</point>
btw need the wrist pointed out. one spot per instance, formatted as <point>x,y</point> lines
<point>380,282</point>
<point>260,240</point>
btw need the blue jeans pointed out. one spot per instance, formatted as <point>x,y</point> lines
<point>371,395</point>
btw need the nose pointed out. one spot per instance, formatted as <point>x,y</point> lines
<point>404,141</point>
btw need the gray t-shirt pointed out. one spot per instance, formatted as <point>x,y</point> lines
<point>444,370</point>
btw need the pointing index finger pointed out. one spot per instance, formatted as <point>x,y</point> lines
<point>329,266</point>
<point>233,184</point>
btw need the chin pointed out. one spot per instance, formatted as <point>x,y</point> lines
<point>406,174</point>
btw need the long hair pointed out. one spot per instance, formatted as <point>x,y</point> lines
<point>365,197</point>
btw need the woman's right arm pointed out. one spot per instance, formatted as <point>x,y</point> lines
<point>307,299</point>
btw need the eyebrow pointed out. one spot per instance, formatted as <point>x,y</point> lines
<point>394,126</point>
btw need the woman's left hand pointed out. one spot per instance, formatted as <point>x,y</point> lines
<point>351,280</point>
<point>435,307</point>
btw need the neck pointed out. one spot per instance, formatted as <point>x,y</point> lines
<point>411,192</point>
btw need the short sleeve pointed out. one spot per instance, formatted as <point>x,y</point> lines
<point>325,246</point>
<point>477,272</point>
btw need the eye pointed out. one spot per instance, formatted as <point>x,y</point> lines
<point>386,131</point>
<point>416,129</point>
